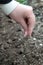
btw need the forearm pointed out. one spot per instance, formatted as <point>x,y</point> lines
<point>8,6</point>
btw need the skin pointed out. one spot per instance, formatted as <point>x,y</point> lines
<point>24,15</point>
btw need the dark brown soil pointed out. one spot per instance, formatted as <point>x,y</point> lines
<point>17,50</point>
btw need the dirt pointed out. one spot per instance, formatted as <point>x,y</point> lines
<point>17,50</point>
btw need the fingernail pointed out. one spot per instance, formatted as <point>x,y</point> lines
<point>25,34</point>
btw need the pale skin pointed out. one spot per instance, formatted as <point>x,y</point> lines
<point>24,15</point>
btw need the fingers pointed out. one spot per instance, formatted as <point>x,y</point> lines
<point>23,24</point>
<point>31,24</point>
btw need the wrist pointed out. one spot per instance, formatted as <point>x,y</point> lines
<point>9,7</point>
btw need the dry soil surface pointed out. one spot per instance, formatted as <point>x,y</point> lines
<point>17,50</point>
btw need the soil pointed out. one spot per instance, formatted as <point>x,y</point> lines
<point>14,48</point>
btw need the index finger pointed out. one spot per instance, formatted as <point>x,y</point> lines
<point>31,24</point>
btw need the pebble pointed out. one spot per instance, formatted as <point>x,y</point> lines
<point>34,39</point>
<point>23,55</point>
<point>19,39</point>
<point>41,44</point>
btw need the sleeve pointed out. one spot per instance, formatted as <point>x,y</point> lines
<point>4,1</point>
<point>8,7</point>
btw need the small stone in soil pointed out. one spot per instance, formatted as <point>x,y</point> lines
<point>41,44</point>
<point>34,39</point>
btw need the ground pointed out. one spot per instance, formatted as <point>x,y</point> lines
<point>17,50</point>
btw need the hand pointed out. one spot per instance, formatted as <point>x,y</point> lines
<point>24,15</point>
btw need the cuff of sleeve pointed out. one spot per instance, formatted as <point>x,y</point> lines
<point>8,8</point>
